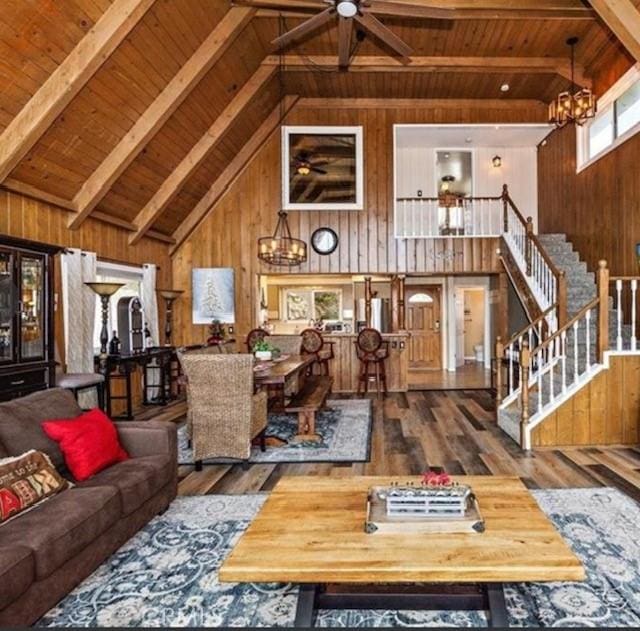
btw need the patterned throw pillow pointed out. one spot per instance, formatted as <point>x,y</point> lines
<point>25,481</point>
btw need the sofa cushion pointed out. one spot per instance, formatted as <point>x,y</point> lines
<point>137,479</point>
<point>17,572</point>
<point>88,442</point>
<point>61,527</point>
<point>20,421</point>
<point>3,452</point>
<point>26,480</point>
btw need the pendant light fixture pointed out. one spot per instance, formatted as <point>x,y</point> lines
<point>281,248</point>
<point>570,106</point>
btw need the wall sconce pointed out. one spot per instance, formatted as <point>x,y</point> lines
<point>497,161</point>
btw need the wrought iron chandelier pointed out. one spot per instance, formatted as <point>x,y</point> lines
<point>571,106</point>
<point>282,248</point>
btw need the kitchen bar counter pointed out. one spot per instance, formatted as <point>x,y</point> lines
<point>345,367</point>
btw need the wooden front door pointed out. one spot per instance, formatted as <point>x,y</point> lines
<point>423,322</point>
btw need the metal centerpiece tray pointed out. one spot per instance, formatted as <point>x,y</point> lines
<point>437,505</point>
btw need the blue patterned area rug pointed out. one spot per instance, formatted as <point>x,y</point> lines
<point>345,427</point>
<point>166,576</point>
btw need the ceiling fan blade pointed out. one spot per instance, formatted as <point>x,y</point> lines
<point>375,26</point>
<point>305,28</point>
<point>316,170</point>
<point>345,29</point>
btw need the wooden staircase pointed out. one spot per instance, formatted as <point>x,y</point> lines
<point>573,330</point>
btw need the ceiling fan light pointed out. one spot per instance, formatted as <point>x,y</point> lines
<point>346,8</point>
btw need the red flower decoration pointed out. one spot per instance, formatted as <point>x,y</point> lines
<point>431,478</point>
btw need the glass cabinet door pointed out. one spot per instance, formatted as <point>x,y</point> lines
<point>32,327</point>
<point>7,311</point>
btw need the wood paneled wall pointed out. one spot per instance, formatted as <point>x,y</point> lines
<point>29,219</point>
<point>227,237</point>
<point>605,412</point>
<point>598,208</point>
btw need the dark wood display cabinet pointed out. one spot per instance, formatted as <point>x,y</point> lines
<point>27,357</point>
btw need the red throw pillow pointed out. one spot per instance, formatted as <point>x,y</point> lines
<point>88,442</point>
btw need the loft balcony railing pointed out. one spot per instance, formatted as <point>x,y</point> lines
<point>448,216</point>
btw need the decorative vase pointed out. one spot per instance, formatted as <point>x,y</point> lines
<point>263,356</point>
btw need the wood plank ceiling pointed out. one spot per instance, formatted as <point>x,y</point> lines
<point>36,37</point>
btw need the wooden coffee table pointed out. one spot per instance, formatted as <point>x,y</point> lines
<point>311,531</point>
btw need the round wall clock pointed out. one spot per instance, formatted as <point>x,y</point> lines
<point>324,241</point>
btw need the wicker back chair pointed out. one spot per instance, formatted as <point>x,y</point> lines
<point>314,344</point>
<point>225,413</point>
<point>288,344</point>
<point>372,351</point>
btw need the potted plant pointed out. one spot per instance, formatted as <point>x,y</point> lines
<point>262,350</point>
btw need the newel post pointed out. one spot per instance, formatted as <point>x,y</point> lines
<point>561,299</point>
<point>602,279</point>
<point>527,246</point>
<point>525,360</point>
<point>505,204</point>
<point>499,356</point>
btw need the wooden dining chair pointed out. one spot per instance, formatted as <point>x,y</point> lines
<point>314,344</point>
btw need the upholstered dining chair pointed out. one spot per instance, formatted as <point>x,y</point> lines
<point>288,344</point>
<point>225,413</point>
<point>314,344</point>
<point>372,351</point>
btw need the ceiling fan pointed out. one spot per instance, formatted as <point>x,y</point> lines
<point>348,12</point>
<point>304,165</point>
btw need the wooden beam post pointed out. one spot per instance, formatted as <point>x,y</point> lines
<point>401,303</point>
<point>367,300</point>
<point>171,186</point>
<point>164,105</point>
<point>525,359</point>
<point>602,280</point>
<point>233,170</point>
<point>623,18</point>
<point>67,80</point>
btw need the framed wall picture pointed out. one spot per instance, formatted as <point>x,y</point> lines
<point>322,168</point>
<point>213,290</point>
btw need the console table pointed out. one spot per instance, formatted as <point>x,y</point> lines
<point>123,365</point>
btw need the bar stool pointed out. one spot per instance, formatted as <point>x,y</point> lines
<point>255,336</point>
<point>372,351</point>
<point>75,382</point>
<point>313,344</point>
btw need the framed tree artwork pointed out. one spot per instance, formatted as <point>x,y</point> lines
<point>213,291</point>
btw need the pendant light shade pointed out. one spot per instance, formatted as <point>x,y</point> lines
<point>281,248</point>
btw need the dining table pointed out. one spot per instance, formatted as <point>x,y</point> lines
<point>285,376</point>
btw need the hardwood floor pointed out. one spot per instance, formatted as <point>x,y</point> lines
<point>471,376</point>
<point>450,430</point>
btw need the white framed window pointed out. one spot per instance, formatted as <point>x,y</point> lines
<point>617,120</point>
<point>115,273</point>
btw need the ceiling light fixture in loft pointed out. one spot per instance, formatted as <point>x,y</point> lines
<point>281,248</point>
<point>570,106</point>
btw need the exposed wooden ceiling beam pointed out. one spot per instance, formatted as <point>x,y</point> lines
<point>172,184</point>
<point>376,63</point>
<point>67,80</point>
<point>233,170</point>
<point>447,9</point>
<point>15,186</point>
<point>444,104</point>
<point>623,18</point>
<point>165,104</point>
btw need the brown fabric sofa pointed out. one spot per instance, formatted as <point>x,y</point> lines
<point>47,551</point>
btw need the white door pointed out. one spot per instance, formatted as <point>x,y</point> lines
<point>459,300</point>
